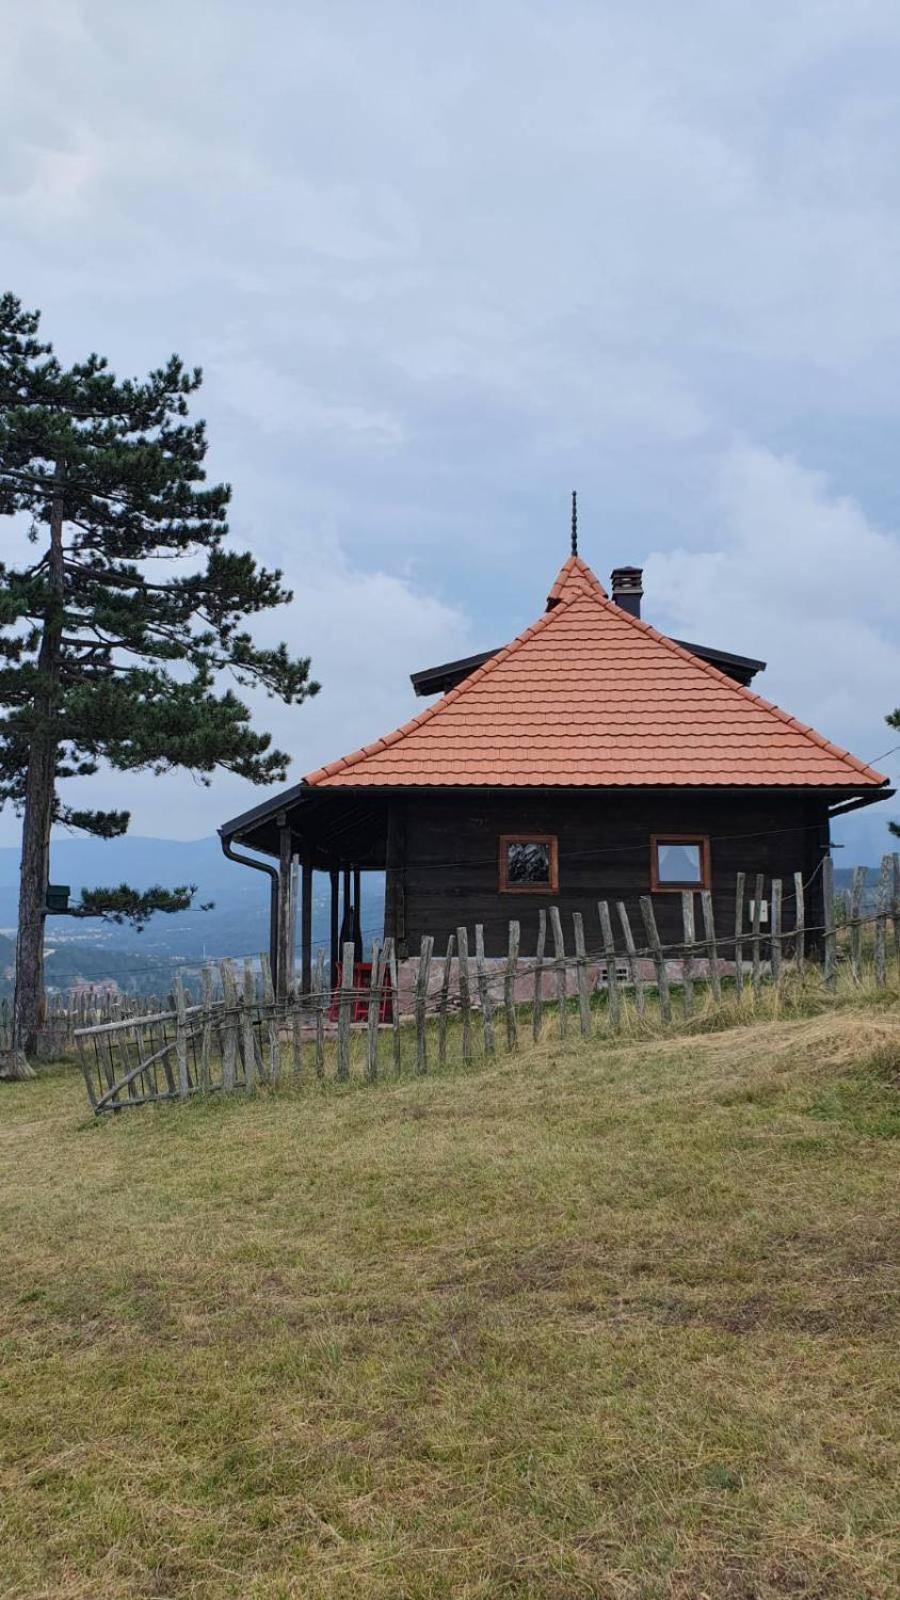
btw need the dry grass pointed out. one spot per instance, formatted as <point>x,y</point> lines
<point>607,1321</point>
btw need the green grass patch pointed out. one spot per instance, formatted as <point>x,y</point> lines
<point>866,1101</point>
<point>614,1320</point>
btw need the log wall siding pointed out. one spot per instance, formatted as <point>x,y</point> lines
<point>445,872</point>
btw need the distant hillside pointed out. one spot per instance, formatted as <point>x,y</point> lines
<point>83,862</point>
<point>237,925</point>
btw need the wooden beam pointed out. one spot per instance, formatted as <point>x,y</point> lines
<point>395,878</point>
<point>280,957</point>
<point>292,931</point>
<point>334,930</point>
<point>306,899</point>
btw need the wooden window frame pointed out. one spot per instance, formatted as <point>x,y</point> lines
<point>702,839</point>
<point>506,839</point>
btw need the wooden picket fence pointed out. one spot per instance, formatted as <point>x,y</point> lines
<point>235,1035</point>
<point>65,1012</point>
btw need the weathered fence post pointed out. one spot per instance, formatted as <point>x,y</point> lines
<point>229,1024</point>
<point>659,961</point>
<point>756,974</point>
<point>148,1048</point>
<point>345,1008</point>
<point>444,1002</point>
<point>206,987</point>
<point>612,977</point>
<point>856,897</point>
<point>537,1010</point>
<point>268,999</point>
<point>484,993</point>
<point>109,1071</point>
<point>296,1002</point>
<point>559,962</point>
<point>166,1056</point>
<point>375,982</point>
<point>181,1038</point>
<point>712,949</point>
<point>895,902</point>
<point>465,1003</point>
<point>799,923</point>
<point>584,998</point>
<point>395,1007</point>
<point>632,958</point>
<point>776,931</point>
<point>884,900</point>
<point>738,931</point>
<point>148,1080</point>
<point>687,963</point>
<point>86,1073</point>
<point>830,967</point>
<point>247,1024</point>
<point>321,1004</point>
<point>425,953</point>
<point>509,989</point>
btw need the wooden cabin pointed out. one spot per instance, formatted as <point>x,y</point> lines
<point>591,758</point>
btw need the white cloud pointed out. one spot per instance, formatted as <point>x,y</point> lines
<point>366,632</point>
<point>801,578</point>
<point>280,404</point>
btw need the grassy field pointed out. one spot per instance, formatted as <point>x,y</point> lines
<point>616,1320</point>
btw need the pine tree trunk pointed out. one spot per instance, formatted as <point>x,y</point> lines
<point>29,1002</point>
<point>29,993</point>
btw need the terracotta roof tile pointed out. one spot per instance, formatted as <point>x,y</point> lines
<point>574,577</point>
<point>591,696</point>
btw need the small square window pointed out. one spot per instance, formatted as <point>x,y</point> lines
<point>528,864</point>
<point>679,862</point>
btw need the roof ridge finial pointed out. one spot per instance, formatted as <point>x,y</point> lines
<point>574,522</point>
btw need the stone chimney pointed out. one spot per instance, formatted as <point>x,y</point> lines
<point>626,587</point>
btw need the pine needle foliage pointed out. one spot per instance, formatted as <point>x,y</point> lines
<point>118,629</point>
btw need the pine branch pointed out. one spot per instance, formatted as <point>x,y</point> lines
<point>124,904</point>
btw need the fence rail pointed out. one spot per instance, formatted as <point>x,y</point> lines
<point>235,1035</point>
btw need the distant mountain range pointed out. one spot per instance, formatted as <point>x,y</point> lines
<point>237,925</point>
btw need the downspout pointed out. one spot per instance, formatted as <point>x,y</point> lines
<point>261,866</point>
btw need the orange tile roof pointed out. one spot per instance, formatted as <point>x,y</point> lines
<point>591,696</point>
<point>574,577</point>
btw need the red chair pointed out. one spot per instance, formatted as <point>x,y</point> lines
<point>362,980</point>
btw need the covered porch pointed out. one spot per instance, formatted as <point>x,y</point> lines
<point>298,838</point>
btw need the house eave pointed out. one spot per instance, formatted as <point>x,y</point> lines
<point>838,798</point>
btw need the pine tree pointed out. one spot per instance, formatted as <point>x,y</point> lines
<point>114,638</point>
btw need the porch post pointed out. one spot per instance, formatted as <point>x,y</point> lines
<point>334,930</point>
<point>282,955</point>
<point>306,873</point>
<point>395,878</point>
<point>357,887</point>
<point>292,932</point>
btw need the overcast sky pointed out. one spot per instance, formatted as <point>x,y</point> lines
<point>441,264</point>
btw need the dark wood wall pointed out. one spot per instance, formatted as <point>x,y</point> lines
<point>443,848</point>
